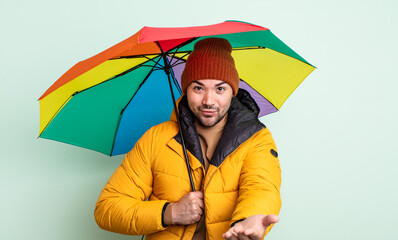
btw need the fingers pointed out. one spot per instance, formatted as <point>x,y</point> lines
<point>197,194</point>
<point>199,210</point>
<point>249,232</point>
<point>188,209</point>
<point>201,204</point>
<point>198,199</point>
<point>254,227</point>
<point>270,219</point>
<point>230,235</point>
<point>239,232</point>
<point>196,218</point>
<point>243,237</point>
<point>198,205</point>
<point>236,234</point>
<point>246,234</point>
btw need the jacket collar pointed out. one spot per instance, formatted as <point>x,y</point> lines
<point>242,123</point>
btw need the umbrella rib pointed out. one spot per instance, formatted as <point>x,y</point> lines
<point>177,58</point>
<point>136,56</point>
<point>176,64</point>
<point>150,66</point>
<point>171,71</point>
<point>167,71</point>
<point>175,79</point>
<point>119,75</point>
<point>233,49</point>
<point>181,45</point>
<point>149,73</point>
<point>175,49</point>
<point>58,110</point>
<point>151,59</point>
<point>248,48</point>
<point>124,108</point>
<point>117,129</point>
<point>140,56</point>
<point>174,53</point>
<point>180,58</point>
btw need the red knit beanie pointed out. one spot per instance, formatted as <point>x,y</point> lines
<point>211,59</point>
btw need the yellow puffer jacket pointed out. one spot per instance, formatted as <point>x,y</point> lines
<point>243,178</point>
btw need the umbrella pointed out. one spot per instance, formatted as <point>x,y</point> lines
<point>105,103</point>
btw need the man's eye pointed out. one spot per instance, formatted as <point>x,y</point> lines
<point>197,88</point>
<point>220,89</point>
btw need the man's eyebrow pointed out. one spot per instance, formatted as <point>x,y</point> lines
<point>221,83</point>
<point>199,83</point>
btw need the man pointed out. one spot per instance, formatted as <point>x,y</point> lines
<point>232,157</point>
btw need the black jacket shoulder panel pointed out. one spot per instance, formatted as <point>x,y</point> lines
<point>241,125</point>
<point>190,135</point>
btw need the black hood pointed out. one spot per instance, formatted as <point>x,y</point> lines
<point>241,124</point>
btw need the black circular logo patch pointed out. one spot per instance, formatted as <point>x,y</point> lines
<point>274,153</point>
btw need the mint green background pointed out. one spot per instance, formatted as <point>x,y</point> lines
<point>336,134</point>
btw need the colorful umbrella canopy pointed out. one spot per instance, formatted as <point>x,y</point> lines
<point>105,103</point>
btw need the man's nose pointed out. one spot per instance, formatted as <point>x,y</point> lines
<point>208,98</point>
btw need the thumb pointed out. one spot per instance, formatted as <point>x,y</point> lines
<point>270,219</point>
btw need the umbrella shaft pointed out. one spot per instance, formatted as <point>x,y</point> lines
<point>167,70</point>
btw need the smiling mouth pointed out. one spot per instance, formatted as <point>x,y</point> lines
<point>208,113</point>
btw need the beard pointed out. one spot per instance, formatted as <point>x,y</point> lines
<point>208,121</point>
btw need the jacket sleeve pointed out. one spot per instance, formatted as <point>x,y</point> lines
<point>260,179</point>
<point>122,206</point>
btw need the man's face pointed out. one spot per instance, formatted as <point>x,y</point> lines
<point>209,100</point>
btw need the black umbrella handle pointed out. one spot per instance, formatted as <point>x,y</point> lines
<point>167,70</point>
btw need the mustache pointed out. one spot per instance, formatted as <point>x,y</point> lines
<point>207,107</point>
